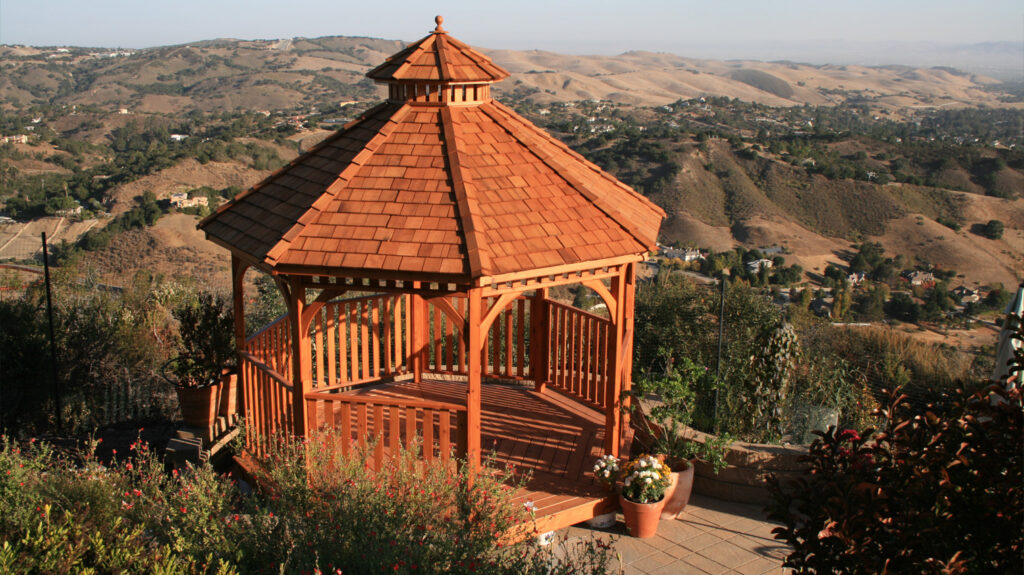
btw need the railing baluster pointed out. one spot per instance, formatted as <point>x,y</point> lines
<point>388,308</point>
<point>428,434</point>
<point>521,338</point>
<point>375,305</point>
<point>361,425</point>
<point>353,339</point>
<point>449,343</point>
<point>346,427</point>
<point>410,428</point>
<point>332,351</point>
<point>394,443</point>
<point>364,321</point>
<point>319,355</point>
<point>507,368</point>
<point>444,435</point>
<point>378,437</point>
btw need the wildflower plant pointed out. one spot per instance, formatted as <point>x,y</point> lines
<point>645,480</point>
<point>315,511</point>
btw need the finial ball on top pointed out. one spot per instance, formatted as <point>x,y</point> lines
<point>439,20</point>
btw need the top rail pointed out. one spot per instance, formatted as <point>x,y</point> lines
<point>388,401</point>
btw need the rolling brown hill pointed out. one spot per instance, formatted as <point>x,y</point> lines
<point>300,72</point>
<point>767,202</point>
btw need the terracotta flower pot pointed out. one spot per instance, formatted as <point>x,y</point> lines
<point>678,493</point>
<point>199,405</point>
<point>641,518</point>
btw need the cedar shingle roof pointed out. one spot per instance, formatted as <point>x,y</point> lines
<point>418,187</point>
<point>438,58</point>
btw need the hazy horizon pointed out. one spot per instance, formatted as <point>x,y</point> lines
<point>983,37</point>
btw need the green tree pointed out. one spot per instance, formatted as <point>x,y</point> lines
<point>993,230</point>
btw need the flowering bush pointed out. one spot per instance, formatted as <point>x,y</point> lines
<point>606,470</point>
<point>937,490</point>
<point>324,514</point>
<point>645,480</point>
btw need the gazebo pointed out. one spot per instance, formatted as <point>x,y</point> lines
<point>416,248</point>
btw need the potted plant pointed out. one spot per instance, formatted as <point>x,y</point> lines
<point>606,471</point>
<point>206,357</point>
<point>644,480</point>
<point>663,408</point>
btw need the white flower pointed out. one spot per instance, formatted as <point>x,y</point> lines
<point>628,481</point>
<point>530,506</point>
<point>647,480</point>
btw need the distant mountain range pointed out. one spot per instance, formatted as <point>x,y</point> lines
<point>300,72</point>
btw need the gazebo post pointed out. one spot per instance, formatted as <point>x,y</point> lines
<point>302,361</point>
<point>474,359</point>
<point>238,269</point>
<point>628,315</point>
<point>613,419</point>
<point>417,333</point>
<point>540,334</point>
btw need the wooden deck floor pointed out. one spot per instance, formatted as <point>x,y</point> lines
<point>552,438</point>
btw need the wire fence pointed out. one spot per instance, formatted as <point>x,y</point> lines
<point>69,375</point>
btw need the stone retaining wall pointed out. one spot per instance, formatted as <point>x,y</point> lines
<point>746,477</point>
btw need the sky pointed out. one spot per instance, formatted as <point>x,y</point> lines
<point>806,30</point>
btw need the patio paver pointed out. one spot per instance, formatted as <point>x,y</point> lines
<point>711,536</point>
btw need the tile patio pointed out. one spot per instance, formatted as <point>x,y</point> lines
<point>710,537</point>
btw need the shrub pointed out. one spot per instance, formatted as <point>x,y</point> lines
<point>319,512</point>
<point>933,491</point>
<point>993,230</point>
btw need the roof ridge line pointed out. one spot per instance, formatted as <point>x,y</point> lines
<point>593,167</point>
<point>547,159</point>
<point>440,44</point>
<point>333,189</point>
<point>280,171</point>
<point>465,201</point>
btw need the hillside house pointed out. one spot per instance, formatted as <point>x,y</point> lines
<point>965,294</point>
<point>181,200</point>
<point>179,137</point>
<point>919,278</point>
<point>855,278</point>
<point>15,139</point>
<point>757,265</point>
<point>458,216</point>
<point>685,254</point>
<point>69,212</point>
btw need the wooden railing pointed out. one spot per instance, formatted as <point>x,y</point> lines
<point>268,404</point>
<point>390,425</point>
<point>578,354</point>
<point>506,352</point>
<point>367,339</point>
<point>359,340</point>
<point>272,345</point>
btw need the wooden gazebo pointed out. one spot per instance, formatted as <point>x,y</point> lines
<point>457,215</point>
